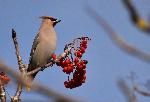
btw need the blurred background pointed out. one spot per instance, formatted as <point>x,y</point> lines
<point>107,62</point>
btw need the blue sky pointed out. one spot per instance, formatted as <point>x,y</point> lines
<point>106,61</point>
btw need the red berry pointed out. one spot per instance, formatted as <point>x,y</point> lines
<point>78,54</point>
<point>76,59</point>
<point>65,69</point>
<point>75,77</point>
<point>70,69</point>
<point>5,78</point>
<point>82,62</point>
<point>83,45</point>
<point>84,71</point>
<point>63,64</point>
<point>72,80</point>
<point>84,66</point>
<point>54,56</point>
<point>84,42</point>
<point>84,78</point>
<point>67,61</point>
<point>79,66</point>
<point>2,73</point>
<point>66,84</point>
<point>82,49</point>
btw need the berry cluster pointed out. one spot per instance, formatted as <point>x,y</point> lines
<point>79,75</point>
<point>4,78</point>
<point>73,63</point>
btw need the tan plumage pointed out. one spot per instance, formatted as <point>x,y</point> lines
<point>44,44</point>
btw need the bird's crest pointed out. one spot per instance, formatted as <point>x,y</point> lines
<point>48,17</point>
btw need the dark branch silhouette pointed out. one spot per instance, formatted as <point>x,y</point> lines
<point>138,90</point>
<point>127,92</point>
<point>116,38</point>
<point>2,93</point>
<point>135,17</point>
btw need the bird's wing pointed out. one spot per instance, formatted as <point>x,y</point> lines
<point>35,43</point>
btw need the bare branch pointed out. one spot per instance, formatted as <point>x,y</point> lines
<point>16,98</point>
<point>128,93</point>
<point>138,90</point>
<point>116,38</point>
<point>20,63</point>
<point>2,93</point>
<point>133,12</point>
<point>136,19</point>
<point>22,67</point>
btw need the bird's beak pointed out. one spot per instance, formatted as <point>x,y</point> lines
<point>57,21</point>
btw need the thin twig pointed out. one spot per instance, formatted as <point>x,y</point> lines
<point>116,38</point>
<point>135,17</point>
<point>133,12</point>
<point>22,67</point>
<point>16,98</point>
<point>128,93</point>
<point>20,63</point>
<point>138,90</point>
<point>41,89</point>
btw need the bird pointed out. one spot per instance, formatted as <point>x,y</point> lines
<point>44,45</point>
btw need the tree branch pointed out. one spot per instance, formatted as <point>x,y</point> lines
<point>20,63</point>
<point>136,19</point>
<point>2,93</point>
<point>138,90</point>
<point>116,38</point>
<point>126,91</point>
<point>41,89</point>
<point>16,98</point>
<point>22,67</point>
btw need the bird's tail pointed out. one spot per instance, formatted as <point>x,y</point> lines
<point>29,83</point>
<point>28,87</point>
<point>29,80</point>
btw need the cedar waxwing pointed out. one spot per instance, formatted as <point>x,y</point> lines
<point>44,45</point>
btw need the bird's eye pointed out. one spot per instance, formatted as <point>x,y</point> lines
<point>53,19</point>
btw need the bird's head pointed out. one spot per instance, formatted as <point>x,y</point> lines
<point>53,20</point>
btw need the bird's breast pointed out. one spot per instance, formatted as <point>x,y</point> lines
<point>46,47</point>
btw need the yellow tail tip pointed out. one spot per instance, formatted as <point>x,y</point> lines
<point>28,88</point>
